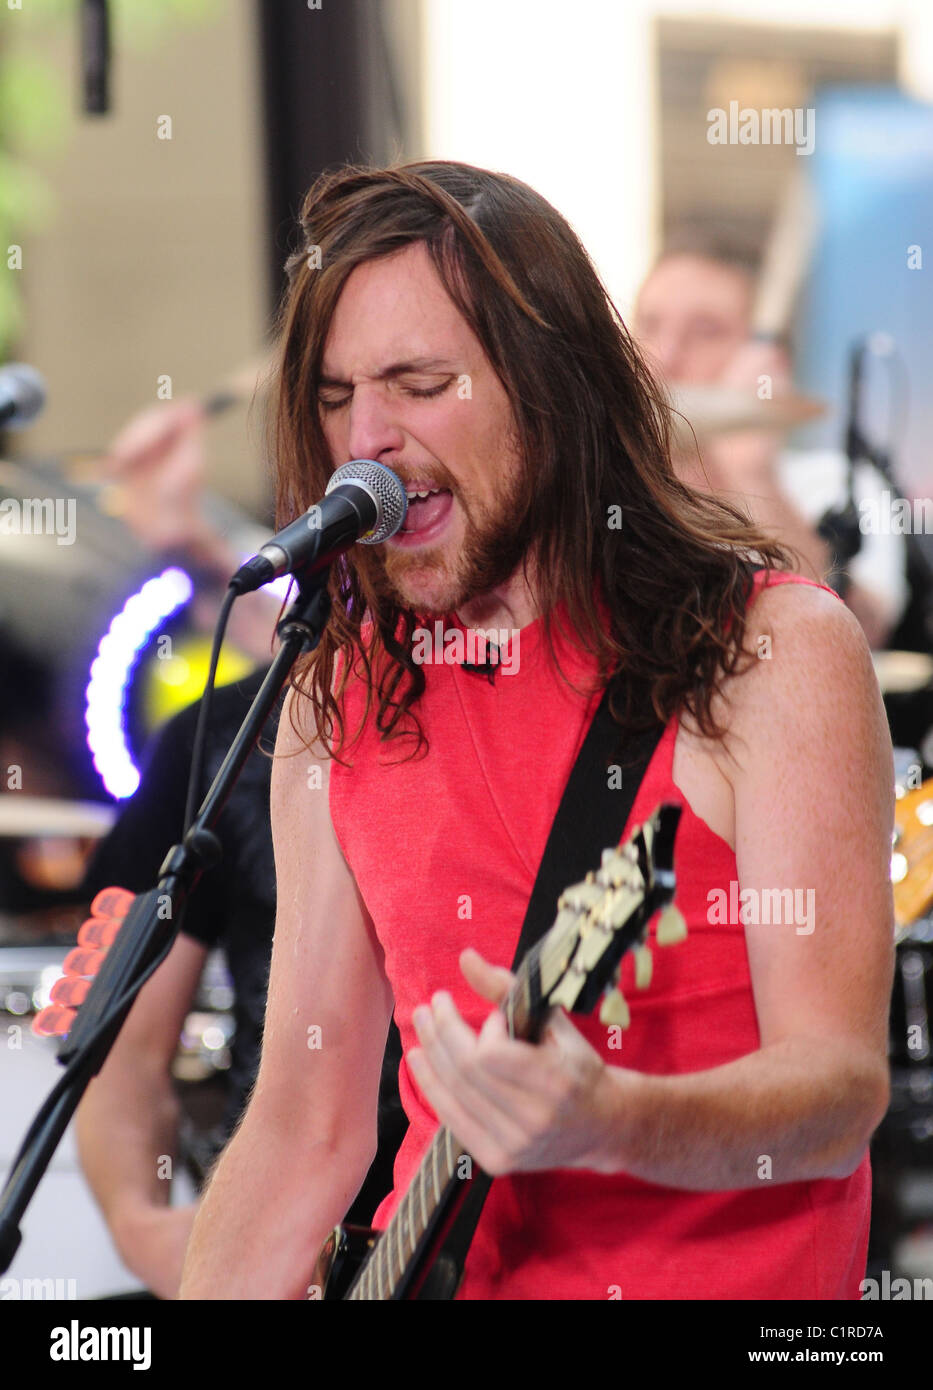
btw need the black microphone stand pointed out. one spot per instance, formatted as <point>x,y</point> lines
<point>839,526</point>
<point>152,923</point>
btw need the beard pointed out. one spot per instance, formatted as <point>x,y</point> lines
<point>493,547</point>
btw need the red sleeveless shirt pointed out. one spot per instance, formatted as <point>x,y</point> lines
<point>444,849</point>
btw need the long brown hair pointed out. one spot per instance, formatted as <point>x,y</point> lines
<point>593,434</point>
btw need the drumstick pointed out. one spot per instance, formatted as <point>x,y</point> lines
<point>711,410</point>
<point>240,386</point>
<point>786,259</point>
<point>84,465</point>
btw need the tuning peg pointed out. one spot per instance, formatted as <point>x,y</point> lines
<point>614,1009</point>
<point>644,964</point>
<point>671,926</point>
<point>112,902</point>
<point>580,896</point>
<point>565,919</point>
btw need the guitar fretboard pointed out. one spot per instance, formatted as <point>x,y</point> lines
<point>444,1166</point>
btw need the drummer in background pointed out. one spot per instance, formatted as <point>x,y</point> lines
<point>130,1113</point>
<point>128,1120</point>
<point>693,320</point>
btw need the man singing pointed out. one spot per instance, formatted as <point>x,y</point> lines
<point>446,322</point>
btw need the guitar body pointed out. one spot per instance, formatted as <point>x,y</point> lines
<point>346,1251</point>
<point>341,1258</point>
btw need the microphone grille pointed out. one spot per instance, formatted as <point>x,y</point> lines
<point>387,490</point>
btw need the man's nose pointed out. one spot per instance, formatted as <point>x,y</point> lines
<point>374,426</point>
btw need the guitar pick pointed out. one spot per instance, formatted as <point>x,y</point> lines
<point>99,932</point>
<point>83,960</point>
<point>95,937</point>
<point>70,990</point>
<point>112,902</point>
<point>53,1021</point>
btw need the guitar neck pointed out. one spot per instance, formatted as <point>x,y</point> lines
<point>442,1173</point>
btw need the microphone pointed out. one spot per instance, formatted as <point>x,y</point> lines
<point>22,395</point>
<point>364,502</point>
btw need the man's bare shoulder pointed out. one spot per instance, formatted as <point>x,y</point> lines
<point>801,607</point>
<point>810,676</point>
<point>298,733</point>
<point>300,787</point>
<point>802,636</point>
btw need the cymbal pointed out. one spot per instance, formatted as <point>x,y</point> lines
<point>901,673</point>
<point>714,410</point>
<point>26,817</point>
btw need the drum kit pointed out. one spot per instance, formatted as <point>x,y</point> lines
<point>59,592</point>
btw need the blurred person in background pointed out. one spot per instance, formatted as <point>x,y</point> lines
<point>158,462</point>
<point>129,1118</point>
<point>693,320</point>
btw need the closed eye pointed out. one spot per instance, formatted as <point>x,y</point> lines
<point>428,391</point>
<point>422,393</point>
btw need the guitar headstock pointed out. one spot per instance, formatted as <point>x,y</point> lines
<point>600,919</point>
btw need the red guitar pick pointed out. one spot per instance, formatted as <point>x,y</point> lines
<point>95,937</point>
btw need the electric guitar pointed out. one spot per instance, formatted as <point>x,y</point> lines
<point>598,921</point>
<point>912,857</point>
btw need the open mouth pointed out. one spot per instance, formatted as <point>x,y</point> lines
<point>428,509</point>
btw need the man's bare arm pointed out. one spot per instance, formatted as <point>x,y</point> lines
<point>309,1132</point>
<point>813,789</point>
<point>812,781</point>
<point>128,1122</point>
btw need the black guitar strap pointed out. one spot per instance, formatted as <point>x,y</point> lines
<point>592,814</point>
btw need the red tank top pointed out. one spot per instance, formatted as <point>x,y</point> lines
<point>444,849</point>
